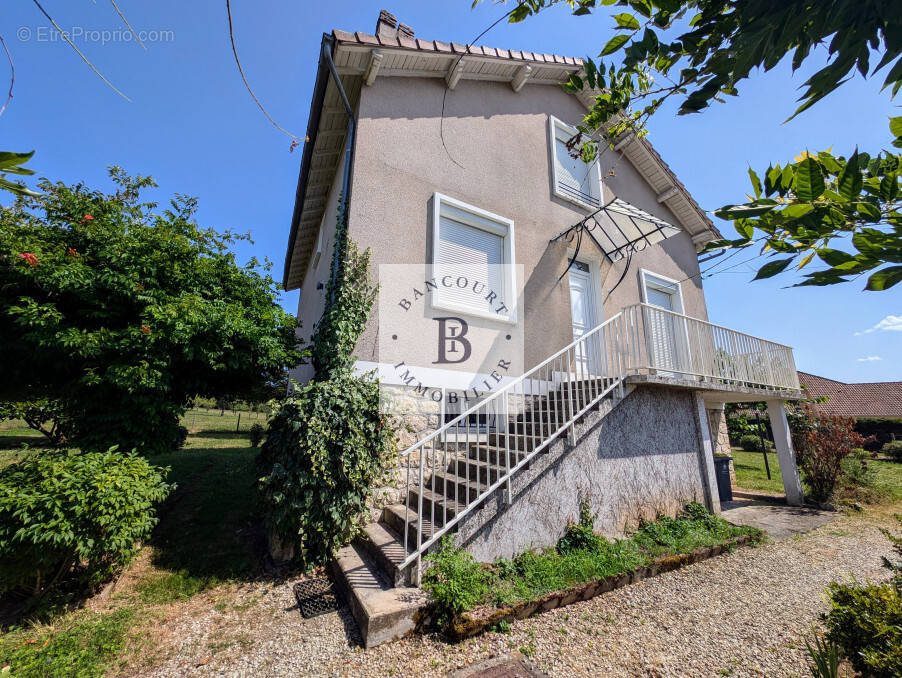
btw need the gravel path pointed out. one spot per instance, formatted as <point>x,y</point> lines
<point>740,614</point>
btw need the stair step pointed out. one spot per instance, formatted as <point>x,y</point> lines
<point>494,455</point>
<point>385,547</point>
<point>475,470</point>
<point>383,612</point>
<point>394,514</point>
<point>444,508</point>
<point>456,488</point>
<point>515,442</point>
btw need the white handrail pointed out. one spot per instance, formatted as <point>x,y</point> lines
<point>507,387</point>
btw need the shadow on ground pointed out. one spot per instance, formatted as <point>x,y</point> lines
<point>210,526</point>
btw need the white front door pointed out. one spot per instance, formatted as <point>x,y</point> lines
<point>583,316</point>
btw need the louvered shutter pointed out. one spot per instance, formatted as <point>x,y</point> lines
<point>471,253</point>
<point>574,177</point>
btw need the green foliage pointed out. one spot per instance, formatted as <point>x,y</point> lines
<point>865,621</point>
<point>893,450</point>
<point>61,511</point>
<point>256,434</point>
<point>466,584</point>
<point>11,163</point>
<point>454,579</point>
<point>880,430</point>
<point>326,452</point>
<point>807,204</point>
<point>123,313</point>
<point>328,445</point>
<point>45,416</point>
<point>751,442</point>
<point>580,536</point>
<point>828,440</point>
<point>798,209</point>
<point>80,647</point>
<point>168,587</point>
<point>344,320</point>
<point>825,658</point>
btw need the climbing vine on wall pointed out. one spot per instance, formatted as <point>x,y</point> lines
<point>329,444</point>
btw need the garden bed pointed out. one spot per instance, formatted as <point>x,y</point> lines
<point>471,597</point>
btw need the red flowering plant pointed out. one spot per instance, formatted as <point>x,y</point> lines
<point>115,272</point>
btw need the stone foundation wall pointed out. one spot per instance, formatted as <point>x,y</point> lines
<point>641,460</point>
<point>717,423</point>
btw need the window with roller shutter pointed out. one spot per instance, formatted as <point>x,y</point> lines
<point>472,258</point>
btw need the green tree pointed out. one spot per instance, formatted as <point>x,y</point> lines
<point>122,313</point>
<point>701,51</point>
<point>11,163</point>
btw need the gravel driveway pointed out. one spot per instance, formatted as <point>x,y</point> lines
<point>740,614</point>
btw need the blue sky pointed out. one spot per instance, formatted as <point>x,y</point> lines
<point>192,125</point>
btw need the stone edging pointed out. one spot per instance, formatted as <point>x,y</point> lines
<point>468,624</point>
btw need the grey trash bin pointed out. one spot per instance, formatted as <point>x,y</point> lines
<point>722,472</point>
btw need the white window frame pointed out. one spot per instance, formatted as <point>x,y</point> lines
<point>486,221</point>
<point>649,278</point>
<point>555,124</point>
<point>319,248</point>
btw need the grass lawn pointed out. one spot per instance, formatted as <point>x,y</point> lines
<point>209,535</point>
<point>751,475</point>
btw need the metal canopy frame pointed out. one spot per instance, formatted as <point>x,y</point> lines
<point>619,229</point>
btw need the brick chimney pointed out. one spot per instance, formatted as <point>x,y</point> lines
<point>405,30</point>
<point>387,26</point>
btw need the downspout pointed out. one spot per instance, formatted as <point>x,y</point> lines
<point>337,262</point>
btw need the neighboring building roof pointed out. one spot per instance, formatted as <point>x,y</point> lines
<point>872,399</point>
<point>394,51</point>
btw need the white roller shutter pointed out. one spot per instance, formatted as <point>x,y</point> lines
<point>469,256</point>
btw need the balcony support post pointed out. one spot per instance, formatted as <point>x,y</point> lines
<point>706,455</point>
<point>783,441</point>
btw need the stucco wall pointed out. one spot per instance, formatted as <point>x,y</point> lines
<point>641,460</point>
<point>496,157</point>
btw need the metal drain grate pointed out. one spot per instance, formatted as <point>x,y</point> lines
<point>315,597</point>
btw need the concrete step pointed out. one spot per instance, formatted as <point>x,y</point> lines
<point>382,611</point>
<point>393,516</point>
<point>475,470</point>
<point>494,455</point>
<point>386,548</point>
<point>436,506</point>
<point>456,488</point>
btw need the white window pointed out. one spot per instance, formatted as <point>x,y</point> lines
<point>472,260</point>
<point>574,180</point>
<point>661,292</point>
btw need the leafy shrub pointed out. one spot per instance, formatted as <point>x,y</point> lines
<point>328,445</point>
<point>326,452</point>
<point>859,477</point>
<point>829,440</point>
<point>751,442</point>
<point>581,535</point>
<point>61,511</point>
<point>883,430</point>
<point>123,313</point>
<point>179,436</point>
<point>256,435</point>
<point>893,450</point>
<point>865,621</point>
<point>454,579</point>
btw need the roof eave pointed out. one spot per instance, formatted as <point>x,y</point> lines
<point>316,107</point>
